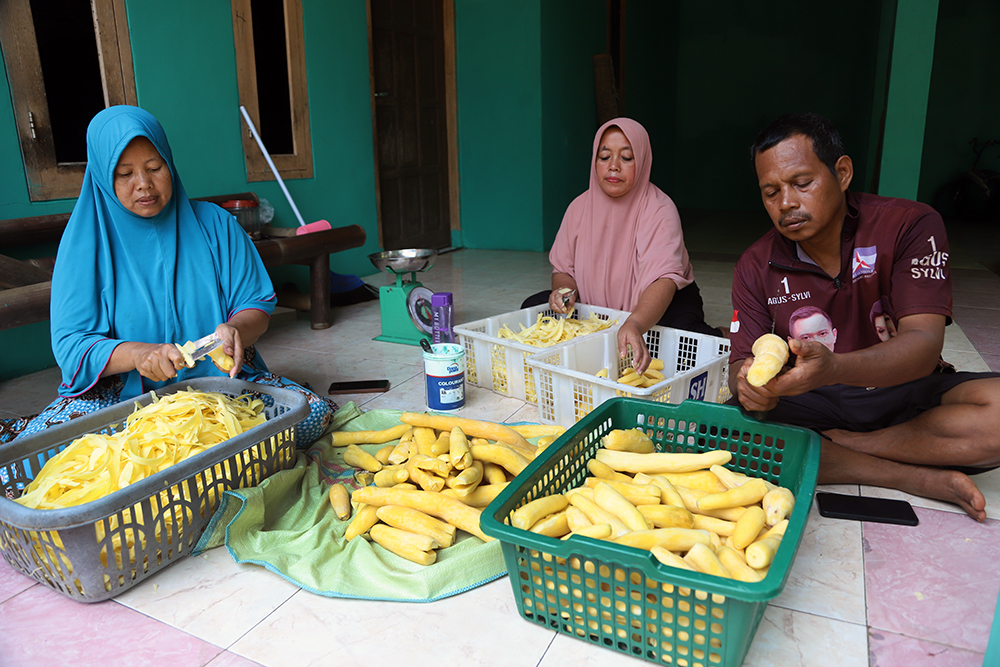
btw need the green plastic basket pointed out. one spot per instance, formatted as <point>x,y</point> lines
<point>621,597</point>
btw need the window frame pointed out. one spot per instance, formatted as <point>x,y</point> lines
<point>291,165</point>
<point>46,178</point>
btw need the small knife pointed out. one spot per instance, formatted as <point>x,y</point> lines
<point>566,294</point>
<point>194,351</point>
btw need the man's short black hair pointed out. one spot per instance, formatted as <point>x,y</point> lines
<point>825,138</point>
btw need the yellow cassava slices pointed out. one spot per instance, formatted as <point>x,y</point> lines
<point>547,331</point>
<point>170,429</point>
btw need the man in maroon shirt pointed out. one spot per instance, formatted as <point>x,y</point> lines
<point>888,417</point>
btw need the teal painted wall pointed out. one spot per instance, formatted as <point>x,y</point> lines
<point>499,135</point>
<point>185,72</point>
<point>704,78</point>
<point>204,128</point>
<point>906,102</point>
<point>26,349</point>
<point>526,115</point>
<point>964,99</point>
<point>573,32</point>
<point>650,80</point>
<point>883,57</point>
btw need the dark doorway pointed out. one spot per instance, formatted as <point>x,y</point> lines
<point>411,130</point>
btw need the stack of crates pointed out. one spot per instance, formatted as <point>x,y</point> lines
<point>501,364</point>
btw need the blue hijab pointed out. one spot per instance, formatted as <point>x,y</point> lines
<point>121,277</point>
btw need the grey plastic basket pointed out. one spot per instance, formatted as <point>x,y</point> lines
<point>154,521</point>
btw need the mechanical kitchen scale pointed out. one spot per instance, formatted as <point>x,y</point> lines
<point>405,306</point>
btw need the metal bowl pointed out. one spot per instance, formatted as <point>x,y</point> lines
<point>403,261</point>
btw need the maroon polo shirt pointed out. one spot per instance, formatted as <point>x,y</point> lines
<point>894,260</point>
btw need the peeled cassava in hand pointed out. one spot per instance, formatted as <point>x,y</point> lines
<point>769,354</point>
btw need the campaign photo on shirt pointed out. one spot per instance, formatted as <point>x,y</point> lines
<point>812,323</point>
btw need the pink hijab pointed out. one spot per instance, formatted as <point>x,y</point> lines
<point>616,247</point>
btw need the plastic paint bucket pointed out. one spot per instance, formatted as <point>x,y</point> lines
<point>444,371</point>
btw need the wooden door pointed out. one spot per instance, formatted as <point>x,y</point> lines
<point>411,128</point>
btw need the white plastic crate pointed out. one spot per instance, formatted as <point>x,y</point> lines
<point>696,366</point>
<point>500,364</point>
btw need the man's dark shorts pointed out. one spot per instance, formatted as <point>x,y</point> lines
<point>862,410</point>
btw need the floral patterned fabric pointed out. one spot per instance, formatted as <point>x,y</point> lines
<point>107,392</point>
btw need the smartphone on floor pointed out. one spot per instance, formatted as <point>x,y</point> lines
<point>863,508</point>
<point>359,387</point>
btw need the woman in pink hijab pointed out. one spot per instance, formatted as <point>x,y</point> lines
<point>620,246</point>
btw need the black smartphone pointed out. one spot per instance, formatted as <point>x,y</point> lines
<point>863,508</point>
<point>359,387</point>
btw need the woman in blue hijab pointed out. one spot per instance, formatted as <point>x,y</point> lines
<point>140,267</point>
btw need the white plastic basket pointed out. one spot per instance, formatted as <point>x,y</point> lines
<point>696,366</point>
<point>500,364</point>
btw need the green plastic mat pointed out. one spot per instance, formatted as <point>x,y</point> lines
<point>286,524</point>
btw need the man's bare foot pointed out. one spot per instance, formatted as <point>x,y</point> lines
<point>950,486</point>
<point>840,464</point>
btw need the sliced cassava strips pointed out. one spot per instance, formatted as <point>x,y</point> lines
<point>548,331</point>
<point>167,431</point>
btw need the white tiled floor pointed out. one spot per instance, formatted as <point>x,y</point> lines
<point>241,614</point>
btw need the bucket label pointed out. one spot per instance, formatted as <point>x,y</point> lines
<point>450,390</point>
<point>444,369</point>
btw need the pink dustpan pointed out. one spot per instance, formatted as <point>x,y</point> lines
<point>318,226</point>
<point>303,228</point>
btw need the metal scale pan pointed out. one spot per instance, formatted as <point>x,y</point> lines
<point>405,306</point>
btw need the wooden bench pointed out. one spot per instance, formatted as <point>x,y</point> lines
<point>25,285</point>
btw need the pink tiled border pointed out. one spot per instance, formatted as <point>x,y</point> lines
<point>42,627</point>
<point>892,650</point>
<point>937,581</point>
